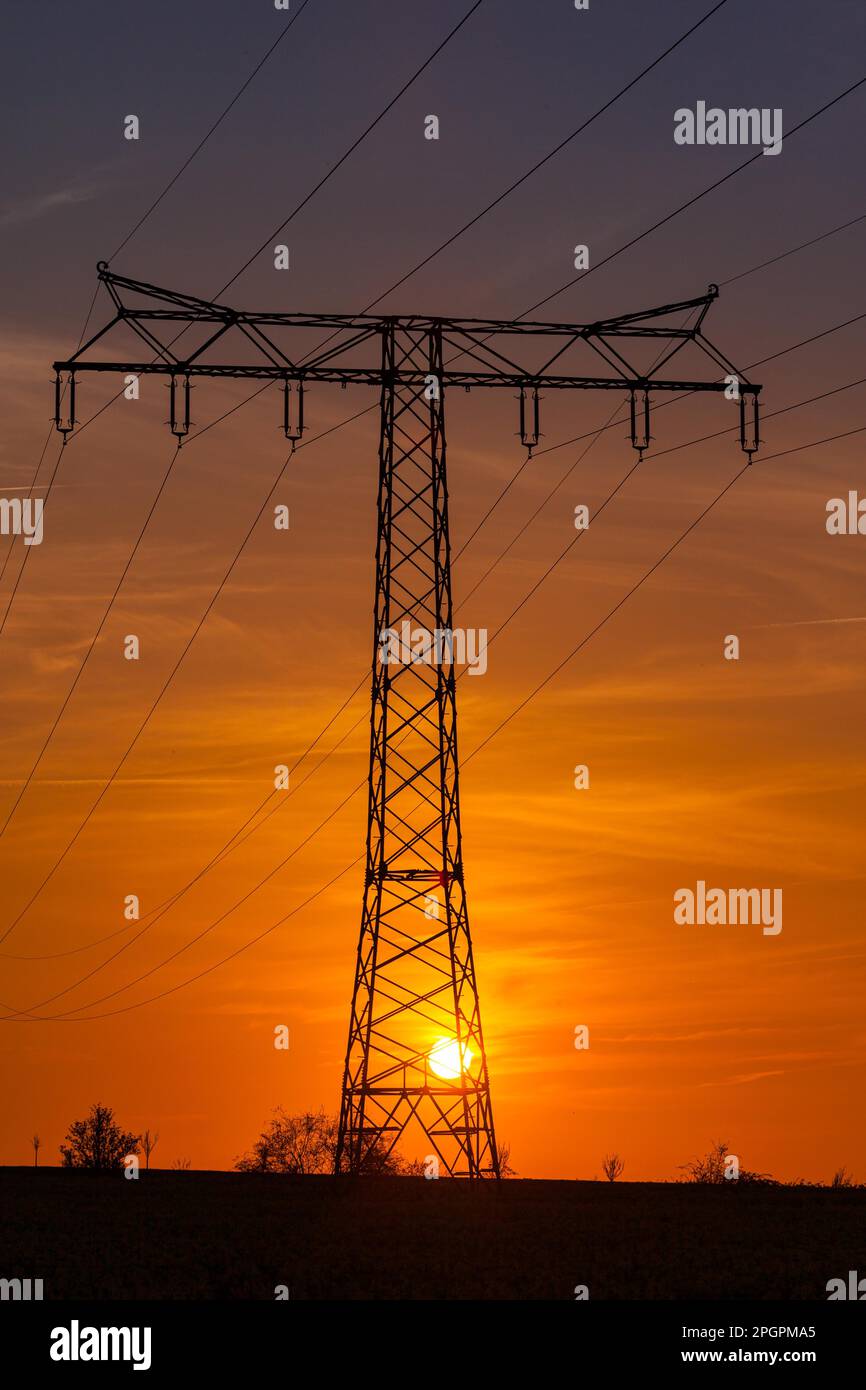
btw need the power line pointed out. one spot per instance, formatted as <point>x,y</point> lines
<point>683,207</point>
<point>479,747</point>
<point>27,549</point>
<point>355,144</point>
<point>153,707</point>
<point>690,202</point>
<point>498,200</point>
<point>828,439</point>
<point>551,154</point>
<point>297,209</point>
<point>163,690</point>
<point>347,153</point>
<point>843,226</point>
<point>369,129</point>
<point>661,405</point>
<point>26,783</point>
<point>669,217</point>
<point>130,234</point>
<point>606,619</point>
<point>51,430</point>
<point>216,124</point>
<point>655,454</point>
<point>782,453</point>
<point>239,835</point>
<point>234,841</point>
<point>108,610</point>
<point>206,930</point>
<point>595,434</point>
<point>272,873</point>
<point>627,245</point>
<point>611,423</point>
<point>702,195</point>
<point>801,125</point>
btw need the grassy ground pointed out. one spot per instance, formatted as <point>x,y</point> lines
<point>232,1235</point>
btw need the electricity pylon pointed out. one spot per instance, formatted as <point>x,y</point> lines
<point>415,1047</point>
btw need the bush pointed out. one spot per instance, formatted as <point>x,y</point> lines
<point>98,1141</point>
<point>303,1144</point>
<point>712,1168</point>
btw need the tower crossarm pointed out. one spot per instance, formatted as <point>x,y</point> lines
<point>192,337</point>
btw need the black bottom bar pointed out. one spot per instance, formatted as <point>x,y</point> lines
<point>243,1337</point>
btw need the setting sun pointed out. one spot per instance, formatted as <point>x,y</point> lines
<point>445,1059</point>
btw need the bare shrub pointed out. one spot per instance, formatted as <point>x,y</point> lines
<point>612,1167</point>
<point>842,1178</point>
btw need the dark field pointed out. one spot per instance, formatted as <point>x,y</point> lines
<point>231,1235</point>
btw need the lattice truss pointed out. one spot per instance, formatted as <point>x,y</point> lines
<point>415,988</point>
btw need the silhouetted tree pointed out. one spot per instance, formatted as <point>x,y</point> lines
<point>36,1142</point>
<point>506,1169</point>
<point>293,1144</point>
<point>304,1144</point>
<point>181,1165</point>
<point>98,1141</point>
<point>148,1143</point>
<point>612,1167</point>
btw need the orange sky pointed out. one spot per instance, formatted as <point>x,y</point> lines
<point>743,774</point>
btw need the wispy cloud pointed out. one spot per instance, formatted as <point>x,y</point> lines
<point>745,1079</point>
<point>32,208</point>
<point>813,622</point>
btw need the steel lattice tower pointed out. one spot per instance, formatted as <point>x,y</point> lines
<point>415,1049</point>
<point>415,970</point>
